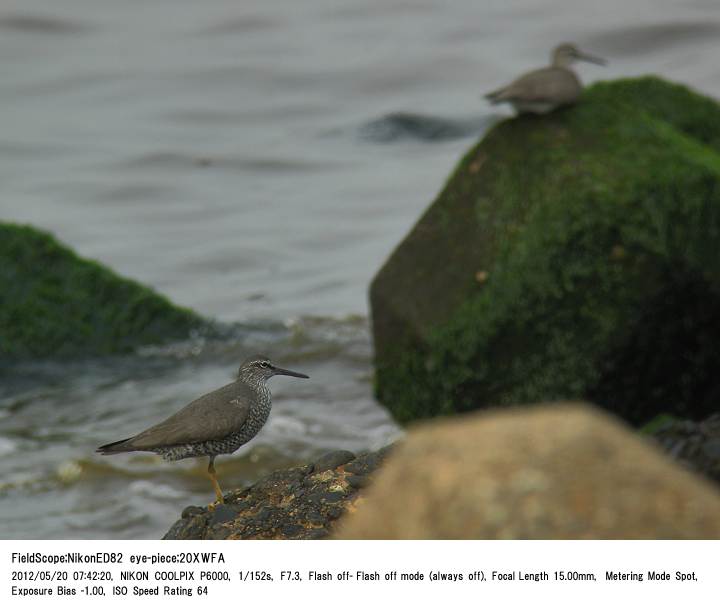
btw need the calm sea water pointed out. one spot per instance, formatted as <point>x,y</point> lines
<point>256,161</point>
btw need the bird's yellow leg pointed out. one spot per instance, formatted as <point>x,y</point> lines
<point>213,479</point>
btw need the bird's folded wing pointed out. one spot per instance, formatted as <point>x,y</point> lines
<point>547,84</point>
<point>212,417</point>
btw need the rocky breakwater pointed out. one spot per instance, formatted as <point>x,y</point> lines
<point>297,503</point>
<point>569,256</point>
<point>55,304</point>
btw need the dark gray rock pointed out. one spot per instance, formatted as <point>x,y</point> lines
<point>332,460</point>
<point>222,513</point>
<point>292,531</point>
<point>315,518</point>
<point>295,503</point>
<point>189,528</point>
<point>409,126</point>
<point>697,445</point>
<point>368,462</point>
<point>358,481</point>
<point>217,532</point>
<point>711,449</point>
<point>192,510</point>
<point>334,512</point>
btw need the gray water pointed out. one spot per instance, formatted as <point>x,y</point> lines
<point>256,161</point>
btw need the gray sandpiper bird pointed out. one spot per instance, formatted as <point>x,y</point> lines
<point>217,423</point>
<point>543,90</point>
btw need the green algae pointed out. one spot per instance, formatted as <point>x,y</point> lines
<point>55,304</point>
<point>569,256</point>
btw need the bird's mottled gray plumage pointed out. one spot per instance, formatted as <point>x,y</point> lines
<point>217,423</point>
<point>543,90</point>
<point>550,86</point>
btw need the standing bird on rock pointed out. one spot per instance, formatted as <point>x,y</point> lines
<point>217,423</point>
<point>541,91</point>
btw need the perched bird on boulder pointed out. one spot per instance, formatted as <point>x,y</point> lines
<point>217,423</point>
<point>543,90</point>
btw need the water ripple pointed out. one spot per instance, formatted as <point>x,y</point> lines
<point>638,40</point>
<point>37,24</point>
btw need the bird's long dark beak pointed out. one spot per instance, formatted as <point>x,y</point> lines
<point>591,59</point>
<point>285,372</point>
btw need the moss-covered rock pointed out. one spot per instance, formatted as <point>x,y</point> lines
<point>54,303</point>
<point>573,255</point>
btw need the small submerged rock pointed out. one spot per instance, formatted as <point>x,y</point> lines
<point>296,503</point>
<point>409,126</point>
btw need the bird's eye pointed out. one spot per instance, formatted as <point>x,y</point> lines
<point>265,364</point>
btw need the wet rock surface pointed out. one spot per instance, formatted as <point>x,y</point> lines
<point>297,503</point>
<point>696,445</point>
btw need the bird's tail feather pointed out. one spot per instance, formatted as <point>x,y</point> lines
<point>121,446</point>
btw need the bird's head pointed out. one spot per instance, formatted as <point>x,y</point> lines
<point>260,366</point>
<point>567,53</point>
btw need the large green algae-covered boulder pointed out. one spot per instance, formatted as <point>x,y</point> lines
<point>574,255</point>
<point>54,303</point>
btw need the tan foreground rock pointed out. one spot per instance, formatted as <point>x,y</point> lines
<point>556,471</point>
